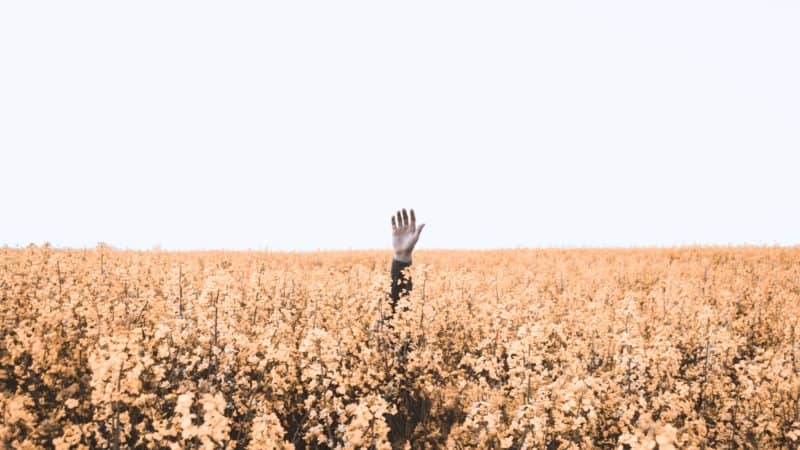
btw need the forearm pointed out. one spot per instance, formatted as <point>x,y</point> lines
<point>405,234</point>
<point>401,281</point>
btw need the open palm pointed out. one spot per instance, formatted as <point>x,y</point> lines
<point>405,234</point>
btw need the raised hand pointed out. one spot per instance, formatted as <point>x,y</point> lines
<point>405,234</point>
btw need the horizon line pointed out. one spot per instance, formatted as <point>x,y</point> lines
<point>158,249</point>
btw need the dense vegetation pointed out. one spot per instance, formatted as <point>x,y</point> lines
<point>645,348</point>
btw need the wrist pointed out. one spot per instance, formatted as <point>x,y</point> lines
<point>403,256</point>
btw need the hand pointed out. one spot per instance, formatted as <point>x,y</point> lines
<point>405,235</point>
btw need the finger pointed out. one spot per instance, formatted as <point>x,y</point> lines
<point>399,220</point>
<point>413,220</point>
<point>405,218</point>
<point>394,225</point>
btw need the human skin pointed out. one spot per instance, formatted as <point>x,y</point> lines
<point>405,234</point>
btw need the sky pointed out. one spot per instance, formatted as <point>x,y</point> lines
<point>304,125</point>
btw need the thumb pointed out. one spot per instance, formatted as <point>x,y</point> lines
<point>419,228</point>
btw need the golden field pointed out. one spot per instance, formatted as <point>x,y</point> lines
<point>642,348</point>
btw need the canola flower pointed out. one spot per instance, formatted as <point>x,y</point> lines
<point>624,349</point>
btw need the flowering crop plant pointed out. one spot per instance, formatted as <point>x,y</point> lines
<point>558,349</point>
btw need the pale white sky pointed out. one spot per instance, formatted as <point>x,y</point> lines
<point>303,125</point>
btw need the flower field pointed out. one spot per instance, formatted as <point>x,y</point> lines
<point>641,349</point>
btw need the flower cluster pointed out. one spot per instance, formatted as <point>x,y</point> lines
<point>623,349</point>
